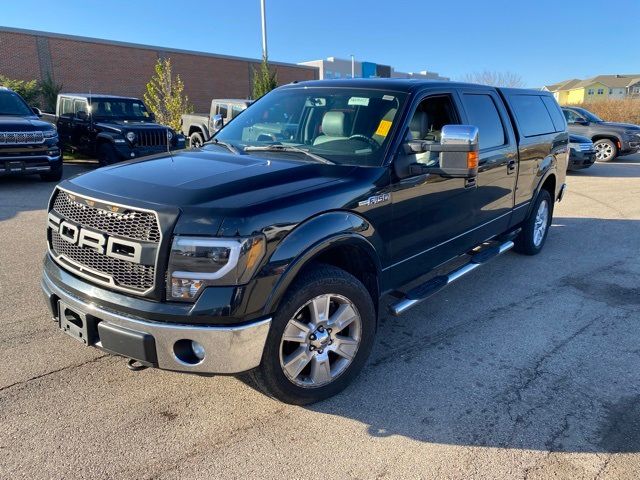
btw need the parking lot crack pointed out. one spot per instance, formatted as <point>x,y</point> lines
<point>46,374</point>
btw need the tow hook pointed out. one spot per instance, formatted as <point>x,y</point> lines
<point>135,366</point>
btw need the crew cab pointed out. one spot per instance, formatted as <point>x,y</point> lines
<point>268,249</point>
<point>28,145</point>
<point>111,128</point>
<point>610,139</point>
<point>200,127</point>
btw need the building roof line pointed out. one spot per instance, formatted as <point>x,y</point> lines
<point>156,48</point>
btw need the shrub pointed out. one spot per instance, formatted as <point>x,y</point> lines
<point>624,110</point>
<point>49,91</point>
<point>264,80</point>
<point>28,89</point>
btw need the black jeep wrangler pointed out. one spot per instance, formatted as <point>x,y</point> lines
<point>111,128</point>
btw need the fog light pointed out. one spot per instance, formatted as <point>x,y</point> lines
<point>185,287</point>
<point>198,350</point>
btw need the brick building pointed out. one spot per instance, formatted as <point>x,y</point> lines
<point>84,64</point>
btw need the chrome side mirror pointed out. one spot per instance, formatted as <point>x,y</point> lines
<point>218,122</point>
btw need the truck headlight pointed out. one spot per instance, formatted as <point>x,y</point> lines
<point>50,133</point>
<point>131,136</point>
<point>169,135</point>
<point>197,262</point>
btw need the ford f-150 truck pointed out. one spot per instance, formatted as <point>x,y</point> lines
<point>267,250</point>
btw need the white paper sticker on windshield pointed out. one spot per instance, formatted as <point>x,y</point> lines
<point>363,101</point>
<point>389,98</point>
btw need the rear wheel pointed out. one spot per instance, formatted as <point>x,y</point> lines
<point>107,154</point>
<point>536,227</point>
<point>320,337</point>
<point>606,150</point>
<point>196,140</point>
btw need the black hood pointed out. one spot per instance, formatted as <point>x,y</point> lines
<point>123,125</point>
<point>206,178</point>
<point>10,123</point>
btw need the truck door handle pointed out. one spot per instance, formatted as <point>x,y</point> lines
<point>511,166</point>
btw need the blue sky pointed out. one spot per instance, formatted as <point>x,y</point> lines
<point>544,41</point>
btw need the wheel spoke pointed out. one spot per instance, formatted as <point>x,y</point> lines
<point>320,369</point>
<point>296,361</point>
<point>319,307</point>
<point>345,347</point>
<point>342,317</point>
<point>295,332</point>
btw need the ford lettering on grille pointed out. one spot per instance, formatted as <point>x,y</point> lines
<point>105,243</point>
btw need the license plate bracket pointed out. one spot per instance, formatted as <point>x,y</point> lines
<point>74,323</point>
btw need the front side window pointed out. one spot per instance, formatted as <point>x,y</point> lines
<point>426,124</point>
<point>80,106</point>
<point>12,104</point>
<point>222,110</point>
<point>340,125</point>
<point>482,112</point>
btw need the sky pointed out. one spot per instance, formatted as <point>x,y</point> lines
<point>543,41</point>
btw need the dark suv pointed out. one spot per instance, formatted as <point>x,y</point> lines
<point>610,139</point>
<point>27,144</point>
<point>111,128</point>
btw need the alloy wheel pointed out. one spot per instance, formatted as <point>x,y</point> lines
<point>540,226</point>
<point>604,151</point>
<point>320,341</point>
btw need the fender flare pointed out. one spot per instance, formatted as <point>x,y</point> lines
<point>545,171</point>
<point>313,237</point>
<point>203,130</point>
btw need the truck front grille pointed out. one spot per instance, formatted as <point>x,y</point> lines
<point>151,137</point>
<point>21,138</point>
<point>115,221</point>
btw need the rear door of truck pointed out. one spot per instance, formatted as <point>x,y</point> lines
<point>498,160</point>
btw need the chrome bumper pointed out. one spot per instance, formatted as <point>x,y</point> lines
<point>231,349</point>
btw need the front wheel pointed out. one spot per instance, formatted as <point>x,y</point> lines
<point>320,337</point>
<point>196,140</point>
<point>606,150</point>
<point>107,155</point>
<point>536,227</point>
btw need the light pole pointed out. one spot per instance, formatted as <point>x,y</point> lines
<point>264,29</point>
<point>353,66</point>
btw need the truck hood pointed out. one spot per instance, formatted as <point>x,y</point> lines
<point>10,123</point>
<point>204,178</point>
<point>120,125</point>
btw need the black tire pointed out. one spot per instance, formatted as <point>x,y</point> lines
<point>195,140</point>
<point>107,155</point>
<point>528,241</point>
<point>53,176</point>
<point>318,281</point>
<point>606,149</point>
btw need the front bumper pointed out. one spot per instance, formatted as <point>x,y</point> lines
<point>228,349</point>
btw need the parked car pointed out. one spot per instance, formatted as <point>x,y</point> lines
<point>200,127</point>
<point>610,139</point>
<point>582,153</point>
<point>111,128</point>
<point>271,256</point>
<point>28,145</point>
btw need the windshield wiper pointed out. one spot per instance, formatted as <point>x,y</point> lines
<point>228,146</point>
<point>287,148</point>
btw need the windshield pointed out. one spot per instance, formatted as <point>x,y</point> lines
<point>349,126</point>
<point>122,109</point>
<point>588,115</point>
<point>12,104</point>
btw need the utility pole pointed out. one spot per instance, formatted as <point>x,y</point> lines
<point>264,29</point>
<point>353,66</point>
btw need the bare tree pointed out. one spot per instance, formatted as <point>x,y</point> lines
<point>496,79</point>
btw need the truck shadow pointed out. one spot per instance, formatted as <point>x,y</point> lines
<point>623,167</point>
<point>22,193</point>
<point>534,371</point>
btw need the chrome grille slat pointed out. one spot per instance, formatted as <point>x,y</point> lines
<point>21,138</point>
<point>126,223</point>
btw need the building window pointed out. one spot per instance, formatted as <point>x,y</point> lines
<point>636,89</point>
<point>601,91</point>
<point>590,91</point>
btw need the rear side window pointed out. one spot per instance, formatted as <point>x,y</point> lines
<point>66,107</point>
<point>556,114</point>
<point>533,117</point>
<point>482,112</point>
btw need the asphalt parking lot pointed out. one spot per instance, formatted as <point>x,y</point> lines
<point>527,368</point>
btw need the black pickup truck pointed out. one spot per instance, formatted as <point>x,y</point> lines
<point>110,128</point>
<point>268,253</point>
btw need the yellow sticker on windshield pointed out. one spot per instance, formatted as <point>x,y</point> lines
<point>383,128</point>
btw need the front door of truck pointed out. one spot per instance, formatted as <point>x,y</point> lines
<point>432,214</point>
